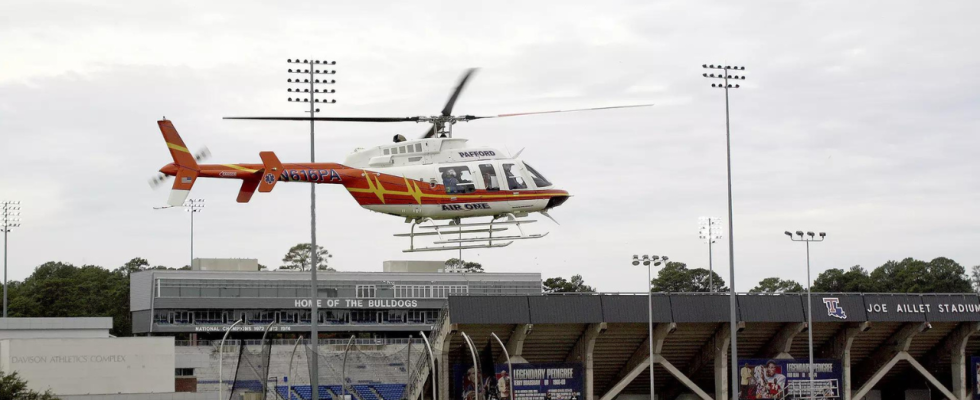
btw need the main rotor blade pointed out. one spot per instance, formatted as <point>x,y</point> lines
<point>337,119</point>
<point>470,117</point>
<point>448,109</point>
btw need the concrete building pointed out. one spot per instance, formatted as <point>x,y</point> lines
<point>384,304</point>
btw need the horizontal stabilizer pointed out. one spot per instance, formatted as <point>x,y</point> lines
<point>272,168</point>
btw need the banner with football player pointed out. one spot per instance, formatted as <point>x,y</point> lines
<point>559,381</point>
<point>788,379</point>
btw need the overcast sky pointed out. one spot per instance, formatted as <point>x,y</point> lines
<point>858,118</point>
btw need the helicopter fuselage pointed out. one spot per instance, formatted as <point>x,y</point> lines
<point>437,178</point>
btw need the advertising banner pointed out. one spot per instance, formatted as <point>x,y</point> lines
<point>560,381</point>
<point>788,379</point>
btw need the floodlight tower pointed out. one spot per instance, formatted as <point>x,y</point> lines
<point>709,233</point>
<point>650,262</point>
<point>310,96</point>
<point>193,206</point>
<point>11,219</point>
<point>810,237</point>
<point>725,76</point>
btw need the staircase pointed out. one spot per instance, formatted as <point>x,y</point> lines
<point>423,366</point>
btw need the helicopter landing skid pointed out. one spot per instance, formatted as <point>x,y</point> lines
<point>480,235</point>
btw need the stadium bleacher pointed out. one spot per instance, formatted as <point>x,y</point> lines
<point>365,393</point>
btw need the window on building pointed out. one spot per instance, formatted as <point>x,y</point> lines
<point>179,372</point>
<point>366,291</point>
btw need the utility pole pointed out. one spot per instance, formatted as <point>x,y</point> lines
<point>725,76</point>
<point>310,97</point>
<point>11,219</point>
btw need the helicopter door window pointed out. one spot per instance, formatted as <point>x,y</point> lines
<point>489,177</point>
<point>401,150</point>
<point>387,151</point>
<point>418,147</point>
<point>514,179</point>
<point>457,180</point>
<point>539,180</point>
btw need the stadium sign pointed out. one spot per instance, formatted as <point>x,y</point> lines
<point>357,303</point>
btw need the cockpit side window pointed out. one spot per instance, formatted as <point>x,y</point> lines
<point>514,179</point>
<point>538,179</point>
<point>489,177</point>
<point>457,179</point>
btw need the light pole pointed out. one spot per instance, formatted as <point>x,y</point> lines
<point>650,262</point>
<point>731,222</point>
<point>310,97</point>
<point>810,237</point>
<point>221,354</point>
<point>193,206</point>
<point>11,219</point>
<point>709,233</point>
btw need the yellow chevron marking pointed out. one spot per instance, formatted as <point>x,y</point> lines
<point>416,193</point>
<point>233,166</point>
<point>178,148</point>
<point>378,190</point>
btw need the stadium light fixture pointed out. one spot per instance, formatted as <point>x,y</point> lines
<point>709,233</point>
<point>809,304</point>
<point>11,219</point>
<point>734,379</point>
<point>312,67</point>
<point>193,206</point>
<point>650,262</point>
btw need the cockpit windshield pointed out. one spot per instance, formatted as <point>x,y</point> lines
<point>538,179</point>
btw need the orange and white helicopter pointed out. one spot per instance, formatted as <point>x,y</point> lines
<point>434,178</point>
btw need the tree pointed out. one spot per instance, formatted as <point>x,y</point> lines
<point>941,275</point>
<point>298,258</point>
<point>975,278</point>
<point>675,277</point>
<point>776,285</point>
<point>463,266</point>
<point>62,290</point>
<point>12,387</point>
<point>560,285</point>
<point>855,280</point>
<point>135,265</point>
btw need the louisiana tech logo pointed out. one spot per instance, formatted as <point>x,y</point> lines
<point>834,308</point>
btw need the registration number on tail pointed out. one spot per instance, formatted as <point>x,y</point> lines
<point>310,175</point>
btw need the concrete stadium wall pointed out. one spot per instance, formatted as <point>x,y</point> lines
<point>92,366</point>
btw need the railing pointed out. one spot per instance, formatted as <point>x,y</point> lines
<point>423,362</point>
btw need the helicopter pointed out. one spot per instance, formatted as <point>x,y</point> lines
<point>427,181</point>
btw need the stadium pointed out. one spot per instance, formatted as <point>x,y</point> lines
<point>404,335</point>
